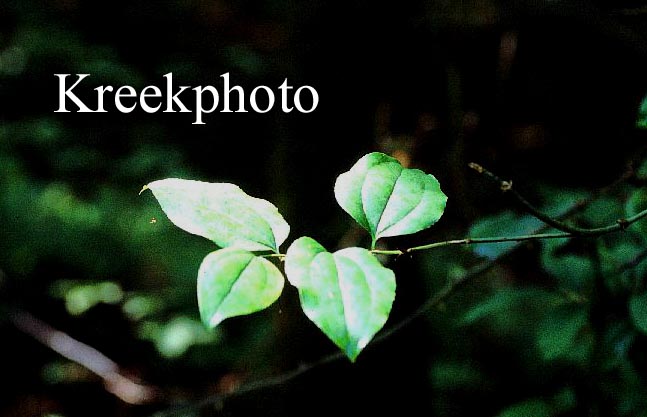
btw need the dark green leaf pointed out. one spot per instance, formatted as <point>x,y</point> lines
<point>642,115</point>
<point>638,311</point>
<point>614,256</point>
<point>636,203</point>
<point>508,304</point>
<point>447,376</point>
<point>573,272</point>
<point>601,211</point>
<point>528,408</point>
<point>508,223</point>
<point>560,334</point>
<point>502,224</point>
<point>641,171</point>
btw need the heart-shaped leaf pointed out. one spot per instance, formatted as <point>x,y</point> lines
<point>387,199</point>
<point>222,213</point>
<point>347,294</point>
<point>234,282</point>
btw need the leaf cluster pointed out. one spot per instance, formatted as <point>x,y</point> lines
<point>347,294</point>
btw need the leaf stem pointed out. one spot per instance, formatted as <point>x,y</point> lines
<point>473,240</point>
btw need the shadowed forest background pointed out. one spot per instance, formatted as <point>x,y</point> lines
<point>545,93</point>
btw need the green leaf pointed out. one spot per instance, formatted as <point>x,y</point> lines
<point>573,272</point>
<point>613,256</point>
<point>222,213</point>
<point>636,203</point>
<point>641,171</point>
<point>347,294</point>
<point>450,376</point>
<point>511,307</point>
<point>642,115</point>
<point>601,211</point>
<point>387,199</point>
<point>533,407</point>
<point>176,336</point>
<point>505,223</point>
<point>561,334</point>
<point>638,311</point>
<point>234,282</point>
<point>508,223</point>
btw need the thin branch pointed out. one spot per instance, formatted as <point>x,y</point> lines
<point>506,186</point>
<point>437,299</point>
<point>266,383</point>
<point>632,12</point>
<point>90,358</point>
<point>218,400</point>
<point>472,241</point>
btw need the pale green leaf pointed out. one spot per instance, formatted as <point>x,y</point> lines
<point>221,212</point>
<point>176,336</point>
<point>638,311</point>
<point>235,282</point>
<point>347,294</point>
<point>387,199</point>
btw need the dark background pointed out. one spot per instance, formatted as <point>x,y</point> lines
<point>544,92</point>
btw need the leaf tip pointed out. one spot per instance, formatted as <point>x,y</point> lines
<point>210,321</point>
<point>144,188</point>
<point>352,353</point>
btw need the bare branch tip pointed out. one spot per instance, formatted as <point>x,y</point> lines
<point>506,186</point>
<point>476,167</point>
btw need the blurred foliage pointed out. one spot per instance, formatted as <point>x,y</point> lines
<point>642,115</point>
<point>550,94</point>
<point>581,316</point>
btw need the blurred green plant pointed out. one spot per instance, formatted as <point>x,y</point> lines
<point>88,237</point>
<point>586,315</point>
